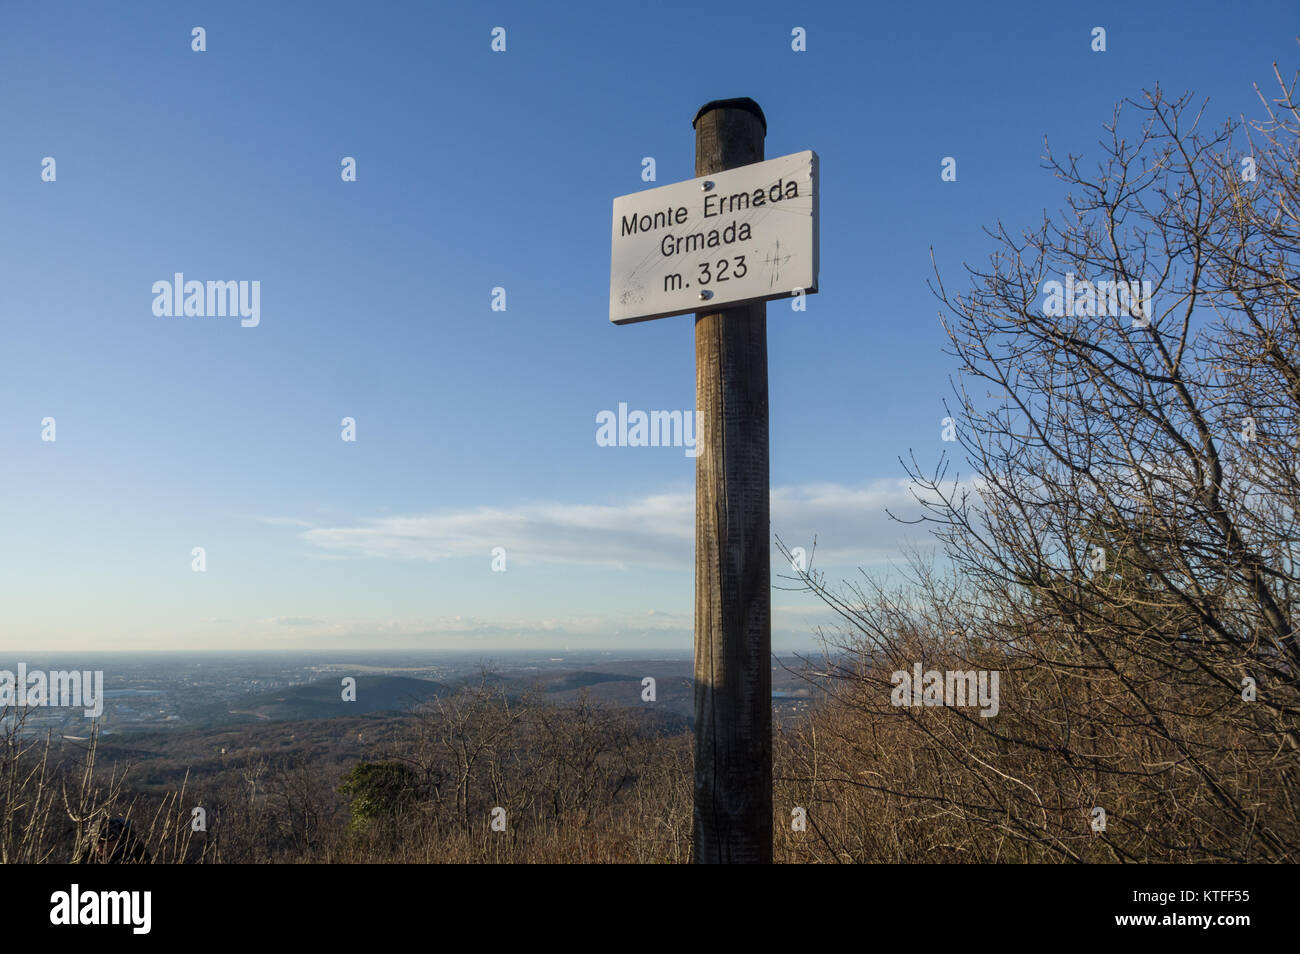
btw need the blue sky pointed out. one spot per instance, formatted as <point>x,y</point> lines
<point>476,169</point>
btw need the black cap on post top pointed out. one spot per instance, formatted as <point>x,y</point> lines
<point>743,102</point>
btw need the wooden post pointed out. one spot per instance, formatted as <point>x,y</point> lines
<point>733,628</point>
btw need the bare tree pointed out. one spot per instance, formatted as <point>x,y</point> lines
<point>1124,549</point>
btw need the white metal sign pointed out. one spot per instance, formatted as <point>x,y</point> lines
<point>747,234</point>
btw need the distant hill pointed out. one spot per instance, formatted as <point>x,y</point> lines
<point>323,700</point>
<point>613,685</point>
<point>616,683</point>
<point>583,679</point>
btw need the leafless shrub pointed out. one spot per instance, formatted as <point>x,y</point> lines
<point>1125,551</point>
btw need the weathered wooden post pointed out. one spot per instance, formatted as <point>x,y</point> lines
<point>733,596</point>
<point>742,232</point>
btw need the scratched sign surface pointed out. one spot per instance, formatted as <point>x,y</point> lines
<point>747,234</point>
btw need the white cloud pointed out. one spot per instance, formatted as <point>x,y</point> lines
<point>652,531</point>
<point>658,530</point>
<point>851,524</point>
<point>631,628</point>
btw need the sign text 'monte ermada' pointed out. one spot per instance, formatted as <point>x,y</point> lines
<point>747,234</point>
